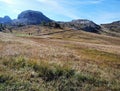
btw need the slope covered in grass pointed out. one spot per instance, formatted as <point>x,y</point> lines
<point>64,61</point>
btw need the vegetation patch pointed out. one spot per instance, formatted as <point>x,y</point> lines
<point>96,55</point>
<point>42,76</point>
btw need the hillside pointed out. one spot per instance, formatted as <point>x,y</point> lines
<point>54,59</point>
<point>114,26</point>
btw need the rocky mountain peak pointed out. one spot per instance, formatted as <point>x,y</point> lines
<point>82,24</point>
<point>81,21</point>
<point>5,19</point>
<point>32,17</point>
<point>114,26</point>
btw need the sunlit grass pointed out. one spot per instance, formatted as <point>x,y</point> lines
<point>58,64</point>
<point>28,72</point>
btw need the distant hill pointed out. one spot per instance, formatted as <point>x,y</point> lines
<point>82,24</point>
<point>5,20</point>
<point>113,27</point>
<point>30,17</point>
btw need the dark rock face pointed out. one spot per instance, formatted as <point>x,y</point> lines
<point>53,24</point>
<point>114,26</point>
<point>81,24</point>
<point>31,17</point>
<point>5,20</point>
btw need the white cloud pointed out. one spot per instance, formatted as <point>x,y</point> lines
<point>60,6</point>
<point>8,1</point>
<point>107,17</point>
<point>93,1</point>
<point>57,6</point>
<point>82,2</point>
<point>58,9</point>
<point>104,17</point>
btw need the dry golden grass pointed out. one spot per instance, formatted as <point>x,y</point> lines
<point>90,54</point>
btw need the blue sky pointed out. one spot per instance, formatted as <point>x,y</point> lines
<point>99,11</point>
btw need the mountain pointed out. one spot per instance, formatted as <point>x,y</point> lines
<point>113,27</point>
<point>5,20</point>
<point>81,24</point>
<point>30,17</point>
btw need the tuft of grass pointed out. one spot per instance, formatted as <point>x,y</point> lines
<point>15,62</point>
<point>91,80</point>
<point>51,71</point>
<point>5,78</point>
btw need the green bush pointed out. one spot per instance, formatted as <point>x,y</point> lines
<point>15,62</point>
<point>51,72</point>
<point>91,80</point>
<point>4,78</point>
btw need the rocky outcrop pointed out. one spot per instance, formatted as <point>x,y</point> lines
<point>114,26</point>
<point>81,24</point>
<point>30,17</point>
<point>5,20</point>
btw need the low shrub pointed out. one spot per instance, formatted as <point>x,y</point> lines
<point>5,78</point>
<point>51,72</point>
<point>15,62</point>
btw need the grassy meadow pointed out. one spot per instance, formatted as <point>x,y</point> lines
<point>61,61</point>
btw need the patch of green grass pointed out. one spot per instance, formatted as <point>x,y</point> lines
<point>15,62</point>
<point>5,78</point>
<point>52,71</point>
<point>45,70</point>
<point>91,80</point>
<point>93,54</point>
<point>42,76</point>
<point>101,55</point>
<point>22,35</point>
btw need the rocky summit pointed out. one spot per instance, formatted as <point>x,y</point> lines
<point>5,19</point>
<point>31,17</point>
<point>114,26</point>
<point>82,24</point>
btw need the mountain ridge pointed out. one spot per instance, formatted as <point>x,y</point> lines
<point>114,26</point>
<point>31,17</point>
<point>5,20</point>
<point>82,24</point>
